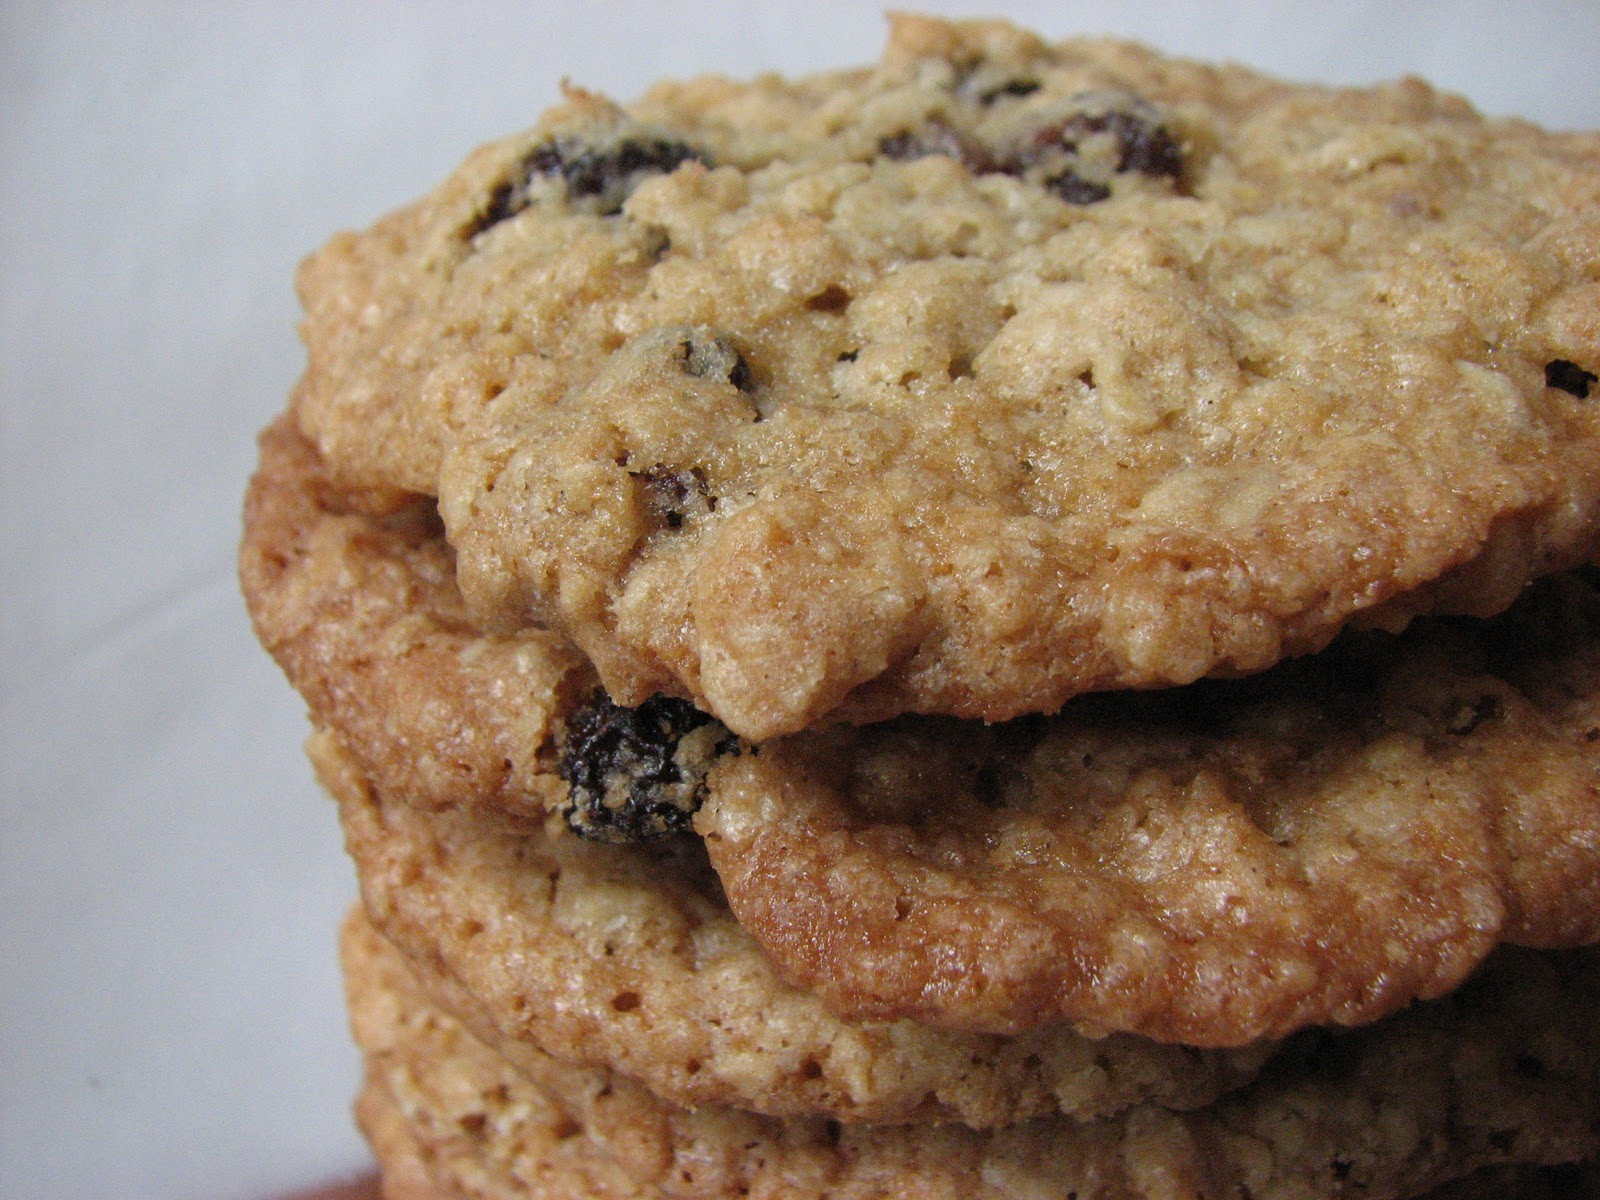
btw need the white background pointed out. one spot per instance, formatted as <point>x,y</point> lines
<point>170,880</point>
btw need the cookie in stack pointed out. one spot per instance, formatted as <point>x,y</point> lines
<point>1012,622</point>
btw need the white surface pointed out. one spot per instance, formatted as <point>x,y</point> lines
<point>171,1022</point>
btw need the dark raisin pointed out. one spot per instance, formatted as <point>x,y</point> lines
<point>1142,144</point>
<point>831,299</point>
<point>1075,189</point>
<point>1077,155</point>
<point>983,82</point>
<point>510,196</point>
<point>1144,147</point>
<point>1569,377</point>
<point>614,173</point>
<point>637,773</point>
<point>672,495</point>
<point>597,179</point>
<point>902,146</point>
<point>505,202</point>
<point>938,137</point>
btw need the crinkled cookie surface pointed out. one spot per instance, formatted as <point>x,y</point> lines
<point>1324,842</point>
<point>627,958</point>
<point>992,374</point>
<point>1212,865</point>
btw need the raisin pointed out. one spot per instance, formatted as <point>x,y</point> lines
<point>938,137</point>
<point>1142,144</point>
<point>613,174</point>
<point>637,773</point>
<point>831,299</point>
<point>673,495</point>
<point>1075,189</point>
<point>1569,377</point>
<point>982,82</point>
<point>597,179</point>
<point>1077,155</point>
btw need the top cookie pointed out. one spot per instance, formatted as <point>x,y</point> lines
<point>993,374</point>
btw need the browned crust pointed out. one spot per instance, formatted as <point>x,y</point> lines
<point>629,959</point>
<point>1189,431</point>
<point>1268,900</point>
<point>361,611</point>
<point>1324,843</point>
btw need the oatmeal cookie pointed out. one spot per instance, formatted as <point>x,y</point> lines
<point>1503,1073</point>
<point>988,375</point>
<point>1224,862</point>
<point>627,957</point>
<point>1325,841</point>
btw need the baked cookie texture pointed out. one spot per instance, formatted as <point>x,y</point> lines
<point>995,373</point>
<point>1503,1072</point>
<point>363,614</point>
<point>627,958</point>
<point>1210,866</point>
<point>1020,621</point>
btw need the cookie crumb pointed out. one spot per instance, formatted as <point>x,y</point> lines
<point>715,358</point>
<point>672,495</point>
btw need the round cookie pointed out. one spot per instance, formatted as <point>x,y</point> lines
<point>991,374</point>
<point>627,957</point>
<point>1212,865</point>
<point>1504,1073</point>
<point>1486,759</point>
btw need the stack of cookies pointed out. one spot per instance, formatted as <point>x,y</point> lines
<point>1015,622</point>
